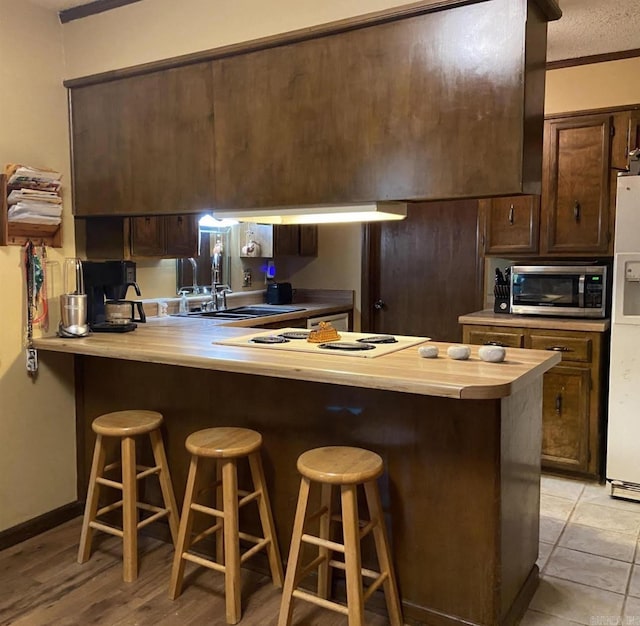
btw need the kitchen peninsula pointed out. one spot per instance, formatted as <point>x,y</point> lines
<point>460,441</point>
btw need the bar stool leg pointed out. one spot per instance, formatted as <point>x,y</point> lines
<point>129,510</point>
<point>266,518</point>
<point>164,477</point>
<point>219,504</point>
<point>184,532</point>
<point>355,599</point>
<point>294,554</point>
<point>91,506</point>
<point>231,544</point>
<point>384,554</point>
<point>324,571</point>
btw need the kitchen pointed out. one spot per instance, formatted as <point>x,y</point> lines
<point>40,137</point>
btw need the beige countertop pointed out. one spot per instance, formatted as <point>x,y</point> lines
<point>188,342</point>
<point>489,318</point>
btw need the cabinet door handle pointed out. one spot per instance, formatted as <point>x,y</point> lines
<point>576,211</point>
<point>511,215</point>
<point>559,404</point>
<point>495,343</point>
<point>559,349</point>
<point>378,305</point>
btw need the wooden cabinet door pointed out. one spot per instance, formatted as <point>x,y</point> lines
<point>576,200</point>
<point>286,240</point>
<point>565,418</point>
<point>148,236</point>
<point>308,243</point>
<point>489,336</point>
<point>511,225</point>
<point>181,235</point>
<point>144,144</point>
<point>383,112</point>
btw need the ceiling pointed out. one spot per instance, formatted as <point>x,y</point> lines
<point>587,27</point>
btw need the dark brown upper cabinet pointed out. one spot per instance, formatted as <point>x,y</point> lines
<point>295,240</point>
<point>576,200</point>
<point>143,145</point>
<point>443,104</point>
<point>511,225</point>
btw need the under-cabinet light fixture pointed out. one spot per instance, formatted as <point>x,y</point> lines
<point>320,214</point>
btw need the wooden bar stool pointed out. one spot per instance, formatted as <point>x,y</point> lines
<point>348,468</point>
<point>127,425</point>
<point>226,445</point>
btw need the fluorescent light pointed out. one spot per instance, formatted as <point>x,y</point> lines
<point>320,214</point>
<point>209,224</point>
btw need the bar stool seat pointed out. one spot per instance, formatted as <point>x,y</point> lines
<point>346,467</point>
<point>226,445</point>
<point>126,425</point>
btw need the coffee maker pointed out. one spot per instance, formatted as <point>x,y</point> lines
<point>106,284</point>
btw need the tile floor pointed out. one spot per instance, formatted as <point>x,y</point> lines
<point>589,557</point>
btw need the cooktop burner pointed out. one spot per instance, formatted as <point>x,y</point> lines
<point>345,345</point>
<point>378,339</point>
<point>351,345</point>
<point>295,334</point>
<point>269,339</point>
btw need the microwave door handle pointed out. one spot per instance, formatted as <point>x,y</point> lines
<point>581,291</point>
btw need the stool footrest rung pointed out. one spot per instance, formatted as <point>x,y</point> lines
<point>108,468</point>
<point>316,514</point>
<point>374,585</point>
<point>146,471</point>
<point>106,529</point>
<point>368,573</point>
<point>205,533</point>
<point>201,508</point>
<point>327,604</point>
<point>251,551</point>
<point>248,497</point>
<point>109,483</point>
<point>307,569</point>
<point>367,528</point>
<point>152,518</point>
<point>194,558</point>
<point>323,543</point>
<point>110,507</point>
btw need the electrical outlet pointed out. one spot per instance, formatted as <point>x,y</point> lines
<point>32,360</point>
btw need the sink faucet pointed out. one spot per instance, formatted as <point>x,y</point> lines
<point>194,268</point>
<point>220,296</point>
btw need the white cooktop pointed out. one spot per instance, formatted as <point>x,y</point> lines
<point>302,345</point>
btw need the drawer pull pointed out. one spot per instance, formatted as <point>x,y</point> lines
<point>495,343</point>
<point>559,349</point>
<point>511,215</point>
<point>559,404</point>
<point>576,211</point>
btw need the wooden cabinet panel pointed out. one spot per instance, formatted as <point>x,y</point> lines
<point>571,348</point>
<point>148,236</point>
<point>181,235</point>
<point>511,225</point>
<point>481,335</point>
<point>574,420</point>
<point>576,199</point>
<point>385,112</point>
<point>565,418</point>
<point>144,144</point>
<point>294,240</point>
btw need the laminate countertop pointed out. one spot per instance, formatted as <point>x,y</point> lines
<point>189,343</point>
<point>489,318</point>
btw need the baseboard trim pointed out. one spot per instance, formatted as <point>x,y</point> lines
<point>37,525</point>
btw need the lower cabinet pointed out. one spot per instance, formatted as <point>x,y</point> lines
<point>573,411</point>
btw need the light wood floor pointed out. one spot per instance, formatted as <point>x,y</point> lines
<point>42,584</point>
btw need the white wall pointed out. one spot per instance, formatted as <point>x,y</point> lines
<point>37,418</point>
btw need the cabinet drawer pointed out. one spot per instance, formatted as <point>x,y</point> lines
<point>571,348</point>
<point>500,337</point>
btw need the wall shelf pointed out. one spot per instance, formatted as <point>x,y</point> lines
<point>17,234</point>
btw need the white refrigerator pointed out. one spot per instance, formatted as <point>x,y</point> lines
<point>623,432</point>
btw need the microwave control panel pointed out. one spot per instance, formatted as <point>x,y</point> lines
<point>593,290</point>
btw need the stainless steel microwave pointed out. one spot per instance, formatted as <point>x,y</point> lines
<point>563,290</point>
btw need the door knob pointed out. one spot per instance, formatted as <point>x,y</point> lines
<point>378,305</point>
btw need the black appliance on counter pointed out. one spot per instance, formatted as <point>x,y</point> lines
<point>108,282</point>
<point>279,293</point>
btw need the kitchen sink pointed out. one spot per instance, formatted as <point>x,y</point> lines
<point>244,312</point>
